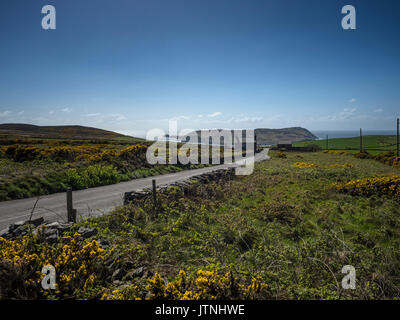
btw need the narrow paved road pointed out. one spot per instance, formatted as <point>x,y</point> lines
<point>93,201</point>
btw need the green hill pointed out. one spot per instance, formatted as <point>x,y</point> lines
<point>268,136</point>
<point>285,135</point>
<point>11,130</point>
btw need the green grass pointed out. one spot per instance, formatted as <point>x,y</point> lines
<point>282,223</point>
<point>28,174</point>
<point>380,143</point>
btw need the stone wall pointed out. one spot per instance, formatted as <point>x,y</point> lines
<point>217,175</point>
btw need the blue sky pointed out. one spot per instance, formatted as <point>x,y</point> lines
<point>130,66</point>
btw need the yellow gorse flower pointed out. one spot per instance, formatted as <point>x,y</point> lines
<point>304,165</point>
<point>387,185</point>
<point>74,262</point>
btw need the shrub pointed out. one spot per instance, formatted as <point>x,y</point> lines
<point>384,185</point>
<point>21,261</point>
<point>363,155</point>
<point>303,165</point>
<point>205,284</point>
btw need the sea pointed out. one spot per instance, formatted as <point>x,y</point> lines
<point>350,134</point>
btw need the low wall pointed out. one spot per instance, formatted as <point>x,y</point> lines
<point>217,175</point>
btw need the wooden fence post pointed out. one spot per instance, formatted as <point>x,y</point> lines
<point>154,195</point>
<point>70,210</point>
<point>327,139</point>
<point>397,137</point>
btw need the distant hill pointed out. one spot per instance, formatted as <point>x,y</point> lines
<point>269,136</point>
<point>285,135</point>
<point>59,132</point>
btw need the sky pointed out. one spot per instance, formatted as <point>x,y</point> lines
<point>133,65</point>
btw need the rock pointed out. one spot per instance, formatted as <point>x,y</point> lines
<point>20,231</point>
<point>65,227</point>
<point>137,273</point>
<point>87,232</point>
<point>104,243</point>
<point>117,275</point>
<point>50,232</point>
<point>5,235</point>
<point>15,225</point>
<point>36,222</point>
<point>52,238</point>
<point>53,225</point>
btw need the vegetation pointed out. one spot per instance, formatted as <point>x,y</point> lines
<point>286,135</point>
<point>284,232</point>
<point>376,144</point>
<point>21,130</point>
<point>32,167</point>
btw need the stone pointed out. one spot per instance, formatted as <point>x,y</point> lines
<point>53,225</point>
<point>52,238</point>
<point>36,222</point>
<point>87,232</point>
<point>50,232</point>
<point>15,225</point>
<point>104,243</point>
<point>138,272</point>
<point>20,231</point>
<point>117,275</point>
<point>64,227</point>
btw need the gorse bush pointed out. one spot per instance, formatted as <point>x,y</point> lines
<point>203,285</point>
<point>304,165</point>
<point>381,185</point>
<point>93,153</point>
<point>388,158</point>
<point>21,261</point>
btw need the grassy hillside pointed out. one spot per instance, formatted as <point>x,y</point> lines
<point>286,135</point>
<point>283,232</point>
<point>272,136</point>
<point>20,130</point>
<point>375,144</point>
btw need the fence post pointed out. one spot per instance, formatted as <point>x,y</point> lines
<point>398,136</point>
<point>361,146</point>
<point>154,195</point>
<point>327,137</point>
<point>70,210</point>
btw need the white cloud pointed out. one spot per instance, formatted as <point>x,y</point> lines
<point>67,110</point>
<point>379,110</point>
<point>92,114</point>
<point>178,118</point>
<point>215,114</point>
<point>5,113</point>
<point>347,113</point>
<point>117,116</point>
<point>352,100</point>
<point>248,119</point>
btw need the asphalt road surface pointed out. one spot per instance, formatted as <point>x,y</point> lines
<point>94,201</point>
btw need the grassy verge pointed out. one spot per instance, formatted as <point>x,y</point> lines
<point>27,180</point>
<point>281,233</point>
